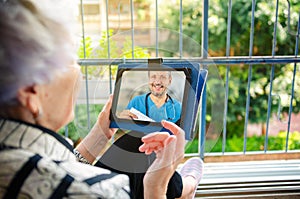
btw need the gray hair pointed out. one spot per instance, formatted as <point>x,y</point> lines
<point>35,43</point>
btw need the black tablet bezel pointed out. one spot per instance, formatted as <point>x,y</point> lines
<point>189,103</point>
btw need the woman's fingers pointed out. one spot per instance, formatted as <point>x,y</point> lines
<point>172,127</point>
<point>103,119</point>
<point>132,115</point>
<point>108,105</point>
<point>155,142</point>
<point>159,136</point>
<point>168,125</point>
<point>164,148</point>
<point>169,151</point>
<point>180,134</point>
<point>126,114</point>
<point>151,145</point>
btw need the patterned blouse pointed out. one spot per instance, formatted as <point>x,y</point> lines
<point>38,163</point>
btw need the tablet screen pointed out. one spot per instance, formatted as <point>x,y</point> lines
<point>151,95</point>
<point>144,96</point>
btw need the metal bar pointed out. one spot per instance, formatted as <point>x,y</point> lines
<point>227,76</point>
<point>228,29</point>
<point>108,46</point>
<point>249,77</point>
<point>275,29</point>
<point>289,20</point>
<point>82,28</point>
<point>225,109</point>
<point>269,107</point>
<point>107,31</point>
<point>247,108</point>
<point>132,28</point>
<point>180,29</point>
<point>85,69</point>
<point>204,39</point>
<point>202,125</point>
<point>293,86</point>
<point>271,80</point>
<point>265,60</point>
<point>252,28</point>
<point>204,55</point>
<point>156,28</point>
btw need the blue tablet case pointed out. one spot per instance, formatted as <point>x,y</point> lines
<point>196,78</point>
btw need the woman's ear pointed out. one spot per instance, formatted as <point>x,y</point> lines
<point>29,99</point>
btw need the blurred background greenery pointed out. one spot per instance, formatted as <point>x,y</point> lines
<point>168,18</point>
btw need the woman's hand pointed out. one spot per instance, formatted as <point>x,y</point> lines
<point>169,151</point>
<point>95,141</point>
<point>103,119</point>
<point>126,114</point>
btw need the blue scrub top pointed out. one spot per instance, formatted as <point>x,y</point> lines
<point>170,111</point>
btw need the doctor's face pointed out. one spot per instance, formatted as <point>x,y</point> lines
<point>159,82</point>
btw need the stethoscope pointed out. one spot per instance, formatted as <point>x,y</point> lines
<point>168,97</point>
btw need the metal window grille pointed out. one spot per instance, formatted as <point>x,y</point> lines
<point>206,61</point>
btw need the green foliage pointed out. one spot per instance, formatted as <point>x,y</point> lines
<point>104,50</point>
<point>87,51</point>
<point>294,140</point>
<point>138,52</point>
<point>239,42</point>
<point>254,143</point>
<point>101,51</point>
<point>192,147</point>
<point>240,25</point>
<point>191,23</point>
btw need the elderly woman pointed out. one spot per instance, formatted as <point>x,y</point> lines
<point>39,82</point>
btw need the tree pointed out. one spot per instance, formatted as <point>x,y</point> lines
<point>240,36</point>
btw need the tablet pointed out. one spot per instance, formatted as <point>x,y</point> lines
<point>146,93</point>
